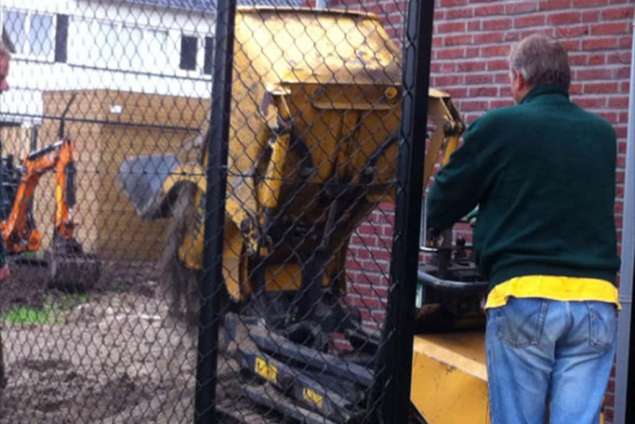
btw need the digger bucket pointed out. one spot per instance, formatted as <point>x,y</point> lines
<point>143,179</point>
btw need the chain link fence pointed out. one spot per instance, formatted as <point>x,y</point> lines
<point>146,254</point>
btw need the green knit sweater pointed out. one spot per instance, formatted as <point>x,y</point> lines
<point>543,175</point>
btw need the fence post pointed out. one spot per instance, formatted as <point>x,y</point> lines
<point>393,369</point>
<point>216,174</point>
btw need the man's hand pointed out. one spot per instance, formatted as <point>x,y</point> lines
<point>4,272</point>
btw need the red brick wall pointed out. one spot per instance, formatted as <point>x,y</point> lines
<point>470,47</point>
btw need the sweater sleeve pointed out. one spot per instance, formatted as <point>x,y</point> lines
<point>458,187</point>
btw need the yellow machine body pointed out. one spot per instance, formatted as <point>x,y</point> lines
<point>315,99</point>
<point>449,378</point>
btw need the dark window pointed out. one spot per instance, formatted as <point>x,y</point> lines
<point>209,56</point>
<point>189,46</point>
<point>61,38</point>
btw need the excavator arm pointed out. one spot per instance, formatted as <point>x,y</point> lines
<point>67,265</point>
<point>18,231</point>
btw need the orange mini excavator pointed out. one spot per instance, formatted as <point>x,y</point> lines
<point>66,263</point>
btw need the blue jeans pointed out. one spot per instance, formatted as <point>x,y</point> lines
<point>550,359</point>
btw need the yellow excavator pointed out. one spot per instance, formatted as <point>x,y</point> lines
<point>313,147</point>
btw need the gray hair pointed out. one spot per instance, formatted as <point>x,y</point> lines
<point>541,60</point>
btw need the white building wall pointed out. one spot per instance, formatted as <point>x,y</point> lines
<point>110,45</point>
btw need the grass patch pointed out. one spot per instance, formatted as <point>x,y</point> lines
<point>50,313</point>
<point>24,315</point>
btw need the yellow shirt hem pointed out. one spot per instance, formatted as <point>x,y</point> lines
<point>566,289</point>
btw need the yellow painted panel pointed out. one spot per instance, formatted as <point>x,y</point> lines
<point>283,277</point>
<point>449,382</point>
<point>449,378</point>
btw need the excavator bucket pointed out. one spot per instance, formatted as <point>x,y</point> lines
<point>69,267</point>
<point>143,180</point>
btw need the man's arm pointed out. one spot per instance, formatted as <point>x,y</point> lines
<point>460,185</point>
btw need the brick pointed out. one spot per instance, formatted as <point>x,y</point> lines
<point>446,27</point>
<point>626,42</point>
<point>473,105</point>
<point>621,58</point>
<point>497,24</point>
<point>618,13</point>
<point>497,65</point>
<point>364,240</point>
<point>488,38</point>
<point>505,92</point>
<point>571,31</point>
<point>619,177</point>
<point>472,52</point>
<point>392,7</point>
<point>495,51</point>
<point>575,88</point>
<point>471,79</point>
<point>367,229</point>
<point>599,43</point>
<point>594,74</point>
<point>577,60</point>
<point>591,102</point>
<point>530,21</point>
<point>448,80</point>
<point>490,9</point>
<point>452,3</point>
<point>597,59</point>
<point>619,192</point>
<point>564,18</point>
<point>456,92</point>
<point>451,53</point>
<point>367,303</point>
<point>474,26</point>
<point>554,4</point>
<point>482,92</point>
<point>461,13</point>
<point>600,88</point>
<point>521,7</point>
<point>501,78</point>
<point>457,40</point>
<point>471,66</point>
<point>590,3</point>
<point>590,16</point>
<point>364,290</point>
<point>610,28</point>
<point>379,255</point>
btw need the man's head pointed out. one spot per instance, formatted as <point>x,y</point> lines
<point>5,57</point>
<point>538,60</point>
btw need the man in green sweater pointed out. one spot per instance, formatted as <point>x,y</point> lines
<point>543,176</point>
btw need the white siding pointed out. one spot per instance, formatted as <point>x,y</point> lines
<point>110,45</point>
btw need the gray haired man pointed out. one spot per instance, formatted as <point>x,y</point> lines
<point>543,175</point>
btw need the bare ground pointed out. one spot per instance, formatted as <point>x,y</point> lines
<point>114,358</point>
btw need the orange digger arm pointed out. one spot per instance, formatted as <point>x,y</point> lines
<point>18,233</point>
